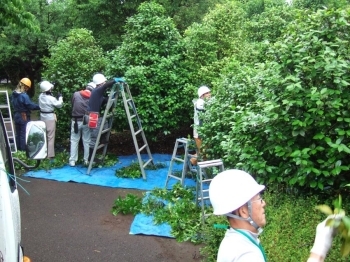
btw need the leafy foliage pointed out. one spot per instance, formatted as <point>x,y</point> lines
<point>286,120</point>
<point>177,208</point>
<point>150,59</point>
<point>71,65</point>
<point>14,13</point>
<point>131,171</point>
<point>134,171</point>
<point>342,226</point>
<point>131,204</point>
<point>60,160</point>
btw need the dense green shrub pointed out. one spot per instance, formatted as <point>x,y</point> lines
<point>287,120</point>
<point>71,65</point>
<point>150,60</point>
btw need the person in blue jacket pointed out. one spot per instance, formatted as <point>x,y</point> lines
<point>22,106</point>
<point>96,101</point>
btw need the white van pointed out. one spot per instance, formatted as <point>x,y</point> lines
<point>10,215</point>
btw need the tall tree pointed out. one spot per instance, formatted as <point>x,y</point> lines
<point>14,13</point>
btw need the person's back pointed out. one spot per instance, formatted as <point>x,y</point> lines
<point>80,129</point>
<point>48,103</point>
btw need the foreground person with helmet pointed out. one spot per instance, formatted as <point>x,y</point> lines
<point>48,103</point>
<point>97,98</point>
<point>236,195</point>
<point>22,106</point>
<point>79,129</point>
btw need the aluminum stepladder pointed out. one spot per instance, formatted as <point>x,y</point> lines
<point>6,111</point>
<point>203,180</point>
<point>130,109</point>
<point>180,143</point>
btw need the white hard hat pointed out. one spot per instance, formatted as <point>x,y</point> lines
<point>90,86</point>
<point>202,90</point>
<point>99,79</point>
<point>231,189</point>
<point>45,86</point>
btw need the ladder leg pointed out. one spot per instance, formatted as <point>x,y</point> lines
<point>131,113</point>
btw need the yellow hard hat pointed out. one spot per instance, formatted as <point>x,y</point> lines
<point>26,82</point>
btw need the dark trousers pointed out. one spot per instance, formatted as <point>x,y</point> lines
<point>21,136</point>
<point>20,126</point>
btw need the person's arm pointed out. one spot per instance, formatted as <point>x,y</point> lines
<point>58,103</point>
<point>29,104</point>
<point>323,240</point>
<point>107,85</point>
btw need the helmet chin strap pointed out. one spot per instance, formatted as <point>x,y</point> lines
<point>249,219</point>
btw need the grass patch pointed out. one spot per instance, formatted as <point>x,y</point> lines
<point>60,160</point>
<point>133,170</point>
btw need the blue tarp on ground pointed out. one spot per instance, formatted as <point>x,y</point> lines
<point>142,224</point>
<point>105,176</point>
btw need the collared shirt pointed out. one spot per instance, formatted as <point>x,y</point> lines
<point>236,247</point>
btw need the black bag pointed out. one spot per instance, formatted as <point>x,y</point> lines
<point>76,130</point>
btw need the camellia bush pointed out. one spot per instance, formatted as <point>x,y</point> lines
<point>71,65</point>
<point>150,59</point>
<point>287,120</point>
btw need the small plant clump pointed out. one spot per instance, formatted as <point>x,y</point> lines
<point>131,204</point>
<point>60,160</point>
<point>134,171</point>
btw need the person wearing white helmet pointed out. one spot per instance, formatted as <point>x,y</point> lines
<point>235,194</point>
<point>97,98</point>
<point>204,95</point>
<point>79,129</point>
<point>48,103</point>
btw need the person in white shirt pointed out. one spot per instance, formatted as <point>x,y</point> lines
<point>235,194</point>
<point>48,103</point>
<point>204,95</point>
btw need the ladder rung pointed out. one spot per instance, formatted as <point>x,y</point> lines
<point>4,106</point>
<point>138,132</point>
<point>100,146</point>
<point>183,140</point>
<point>176,177</point>
<point>209,161</point>
<point>149,160</point>
<point>178,159</point>
<point>106,130</point>
<point>210,165</point>
<point>143,147</point>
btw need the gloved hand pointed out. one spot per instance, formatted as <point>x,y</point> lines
<point>324,236</point>
<point>119,79</point>
<point>59,95</point>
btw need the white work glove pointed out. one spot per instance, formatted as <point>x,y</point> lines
<point>324,236</point>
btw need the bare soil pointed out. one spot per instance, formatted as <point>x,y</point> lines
<point>122,143</point>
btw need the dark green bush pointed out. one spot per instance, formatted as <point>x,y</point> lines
<point>71,65</point>
<point>287,120</point>
<point>150,59</point>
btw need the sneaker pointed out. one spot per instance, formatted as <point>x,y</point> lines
<point>72,163</point>
<point>86,163</point>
